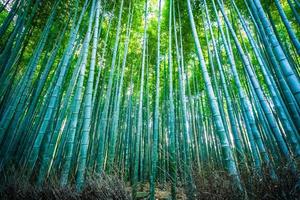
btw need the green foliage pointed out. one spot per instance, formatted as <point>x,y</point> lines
<point>86,88</point>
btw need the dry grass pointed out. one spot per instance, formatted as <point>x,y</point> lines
<point>210,184</point>
<point>96,188</point>
<point>216,185</point>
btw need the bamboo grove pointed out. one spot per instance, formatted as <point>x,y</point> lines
<point>152,91</point>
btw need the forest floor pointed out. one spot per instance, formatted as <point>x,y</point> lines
<point>213,185</point>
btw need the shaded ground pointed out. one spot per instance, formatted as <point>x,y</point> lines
<point>208,185</point>
<point>217,185</point>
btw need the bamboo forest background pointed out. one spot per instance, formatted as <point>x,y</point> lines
<point>152,91</point>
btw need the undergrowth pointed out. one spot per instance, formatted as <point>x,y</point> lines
<point>217,185</point>
<point>96,188</point>
<point>209,184</point>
